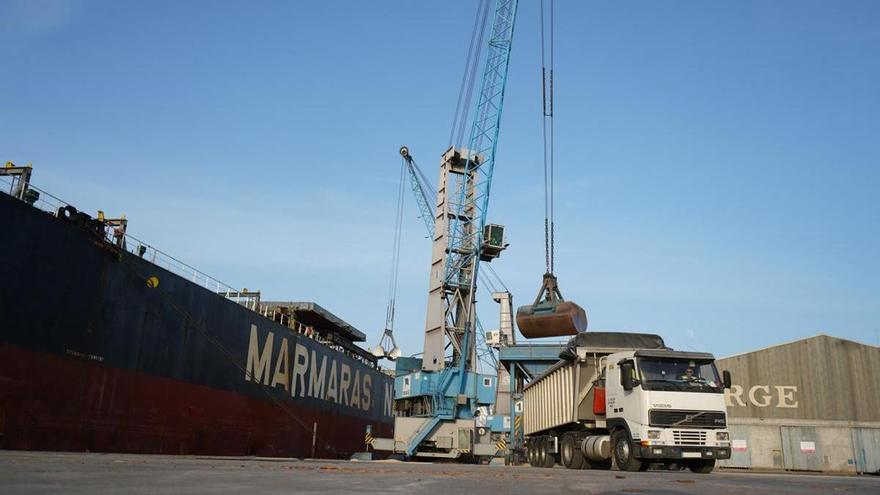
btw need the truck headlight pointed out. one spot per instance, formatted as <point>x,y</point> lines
<point>722,436</point>
<point>653,434</point>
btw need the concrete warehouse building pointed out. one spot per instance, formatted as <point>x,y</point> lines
<point>811,405</point>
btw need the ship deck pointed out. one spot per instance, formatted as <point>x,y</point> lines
<point>37,472</point>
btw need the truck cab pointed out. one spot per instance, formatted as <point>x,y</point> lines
<point>665,406</point>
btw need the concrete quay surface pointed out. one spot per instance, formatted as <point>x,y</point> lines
<point>75,473</point>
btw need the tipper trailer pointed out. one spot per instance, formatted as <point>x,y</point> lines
<point>629,399</point>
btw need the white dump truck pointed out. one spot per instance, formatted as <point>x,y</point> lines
<point>629,399</point>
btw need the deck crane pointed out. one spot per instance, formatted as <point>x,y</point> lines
<point>436,400</point>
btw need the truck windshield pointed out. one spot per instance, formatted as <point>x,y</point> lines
<point>679,375</point>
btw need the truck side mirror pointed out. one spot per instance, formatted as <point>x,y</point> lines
<point>626,376</point>
<point>725,377</point>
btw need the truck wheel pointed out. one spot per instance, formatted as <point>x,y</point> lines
<point>532,453</point>
<point>622,453</point>
<point>572,457</point>
<point>702,467</point>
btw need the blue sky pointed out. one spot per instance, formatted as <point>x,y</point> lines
<point>717,161</point>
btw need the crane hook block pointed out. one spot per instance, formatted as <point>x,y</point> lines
<point>404,151</point>
<point>550,315</point>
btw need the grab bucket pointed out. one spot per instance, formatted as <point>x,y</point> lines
<point>549,319</point>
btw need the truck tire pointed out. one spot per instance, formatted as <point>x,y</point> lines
<point>531,453</point>
<point>622,453</point>
<point>702,467</point>
<point>571,455</point>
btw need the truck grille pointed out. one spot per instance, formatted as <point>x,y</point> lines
<point>689,437</point>
<point>702,419</point>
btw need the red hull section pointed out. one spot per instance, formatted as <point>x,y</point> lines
<point>50,402</point>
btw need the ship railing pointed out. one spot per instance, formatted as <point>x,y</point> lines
<point>50,203</point>
<point>277,315</point>
<point>44,201</point>
<point>164,260</point>
<point>137,247</point>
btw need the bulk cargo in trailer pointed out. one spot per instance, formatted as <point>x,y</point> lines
<point>628,399</point>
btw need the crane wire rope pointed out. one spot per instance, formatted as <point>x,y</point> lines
<point>547,35</point>
<point>395,252</point>
<point>497,277</point>
<point>468,77</point>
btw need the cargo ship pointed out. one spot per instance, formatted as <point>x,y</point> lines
<point>110,345</point>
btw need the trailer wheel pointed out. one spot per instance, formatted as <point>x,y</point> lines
<point>623,454</point>
<point>540,452</point>
<point>530,453</point>
<point>702,467</point>
<point>546,448</point>
<point>572,457</point>
<point>543,456</point>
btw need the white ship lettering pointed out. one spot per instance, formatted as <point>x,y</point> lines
<point>309,375</point>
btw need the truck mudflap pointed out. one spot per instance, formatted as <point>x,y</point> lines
<point>676,452</point>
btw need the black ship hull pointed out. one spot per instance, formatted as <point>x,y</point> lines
<point>102,350</point>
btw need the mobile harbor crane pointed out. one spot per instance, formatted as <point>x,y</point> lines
<point>438,396</point>
<point>436,401</point>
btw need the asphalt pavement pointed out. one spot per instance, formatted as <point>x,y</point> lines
<point>73,473</point>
